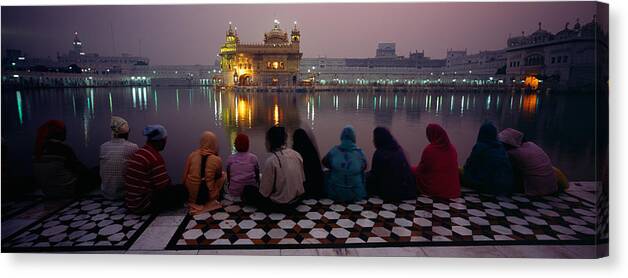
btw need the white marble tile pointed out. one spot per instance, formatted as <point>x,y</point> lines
<point>242,252</point>
<point>168,220</point>
<point>386,252</point>
<point>534,251</point>
<point>299,252</point>
<point>154,238</point>
<point>586,195</point>
<point>588,251</point>
<point>332,252</point>
<point>462,251</point>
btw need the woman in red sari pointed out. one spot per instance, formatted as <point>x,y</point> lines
<point>437,174</point>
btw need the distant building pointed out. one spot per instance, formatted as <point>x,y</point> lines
<point>387,57</point>
<point>272,63</point>
<point>93,62</point>
<point>416,68</point>
<point>487,62</point>
<point>14,59</point>
<point>571,58</point>
<point>386,50</point>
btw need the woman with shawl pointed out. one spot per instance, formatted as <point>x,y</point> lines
<point>303,143</point>
<point>390,177</point>
<point>437,173</point>
<point>346,163</point>
<point>56,167</point>
<point>203,176</point>
<point>488,167</point>
<point>533,172</point>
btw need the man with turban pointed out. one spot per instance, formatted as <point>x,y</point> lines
<point>148,186</point>
<point>113,156</point>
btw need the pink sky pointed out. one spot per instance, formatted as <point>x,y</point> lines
<point>192,34</point>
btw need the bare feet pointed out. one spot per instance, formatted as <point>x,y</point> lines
<point>194,208</point>
<point>210,206</point>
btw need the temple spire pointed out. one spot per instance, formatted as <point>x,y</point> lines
<point>276,24</point>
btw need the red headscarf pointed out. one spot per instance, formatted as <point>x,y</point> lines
<point>52,129</point>
<point>437,173</point>
<point>241,143</point>
<point>437,136</point>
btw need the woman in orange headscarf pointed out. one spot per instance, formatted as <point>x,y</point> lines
<point>204,185</point>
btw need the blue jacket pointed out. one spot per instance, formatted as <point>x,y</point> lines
<point>346,163</point>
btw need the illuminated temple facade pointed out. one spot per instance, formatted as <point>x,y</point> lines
<point>275,62</point>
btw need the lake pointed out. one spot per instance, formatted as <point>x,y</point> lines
<point>562,124</point>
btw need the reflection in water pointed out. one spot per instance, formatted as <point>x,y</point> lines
<point>110,104</point>
<point>547,119</point>
<point>155,99</point>
<point>74,105</point>
<point>134,101</point>
<point>18,96</point>
<point>276,115</point>
<point>177,100</point>
<point>530,104</point>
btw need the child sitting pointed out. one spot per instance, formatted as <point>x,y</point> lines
<point>242,168</point>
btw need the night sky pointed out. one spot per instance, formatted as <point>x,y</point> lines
<point>192,34</point>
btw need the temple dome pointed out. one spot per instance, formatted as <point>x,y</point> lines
<point>566,33</point>
<point>540,35</point>
<point>276,35</point>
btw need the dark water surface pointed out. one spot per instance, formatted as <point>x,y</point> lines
<point>562,124</point>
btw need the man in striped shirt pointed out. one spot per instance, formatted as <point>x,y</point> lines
<point>148,186</point>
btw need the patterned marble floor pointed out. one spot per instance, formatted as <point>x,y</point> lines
<point>165,227</point>
<point>473,219</point>
<point>91,223</point>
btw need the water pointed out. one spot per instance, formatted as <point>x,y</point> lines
<point>561,124</point>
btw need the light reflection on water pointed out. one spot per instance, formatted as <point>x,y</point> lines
<point>561,124</point>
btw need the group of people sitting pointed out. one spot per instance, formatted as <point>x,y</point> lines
<point>500,163</point>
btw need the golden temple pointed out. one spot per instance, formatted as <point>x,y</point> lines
<point>275,62</point>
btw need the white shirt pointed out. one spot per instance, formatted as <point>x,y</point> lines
<point>113,157</point>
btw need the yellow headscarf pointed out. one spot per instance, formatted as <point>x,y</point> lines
<point>208,144</point>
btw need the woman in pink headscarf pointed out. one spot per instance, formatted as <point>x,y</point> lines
<point>437,174</point>
<point>203,176</point>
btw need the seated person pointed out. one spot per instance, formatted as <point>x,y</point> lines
<point>242,167</point>
<point>532,167</point>
<point>488,168</point>
<point>55,166</point>
<point>282,176</point>
<point>390,177</point>
<point>113,156</point>
<point>148,186</point>
<point>303,143</point>
<point>346,163</point>
<point>203,176</point>
<point>437,173</point>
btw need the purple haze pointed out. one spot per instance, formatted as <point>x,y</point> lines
<point>192,34</point>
